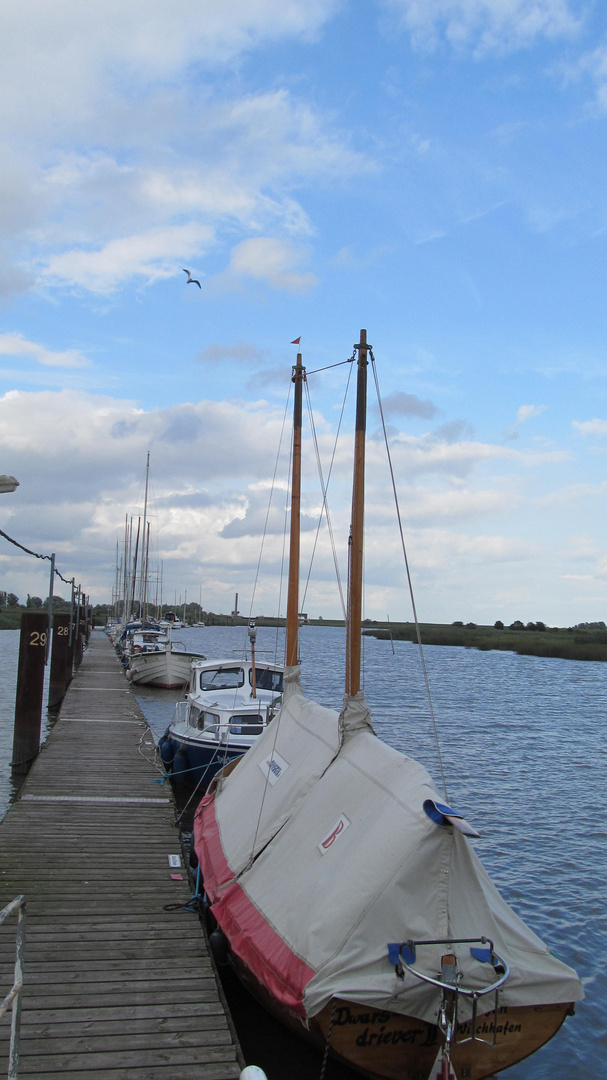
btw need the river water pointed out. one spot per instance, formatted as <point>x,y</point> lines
<point>523,751</point>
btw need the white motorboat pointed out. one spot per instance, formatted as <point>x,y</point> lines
<point>228,706</point>
<point>156,660</point>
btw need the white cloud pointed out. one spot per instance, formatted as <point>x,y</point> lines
<point>591,427</point>
<point>65,57</point>
<point>592,64</point>
<point>484,25</point>
<point>80,459</point>
<point>529,412</point>
<point>162,156</point>
<point>273,261</point>
<point>151,255</point>
<point>524,413</point>
<point>16,345</point>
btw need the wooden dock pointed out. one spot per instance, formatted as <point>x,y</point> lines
<point>116,988</point>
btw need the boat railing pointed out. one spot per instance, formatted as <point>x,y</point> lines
<point>13,998</point>
<point>181,712</point>
<point>403,957</point>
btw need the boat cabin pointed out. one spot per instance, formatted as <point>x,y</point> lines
<point>234,676</point>
<point>145,641</point>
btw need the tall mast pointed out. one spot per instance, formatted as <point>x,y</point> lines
<point>135,557</point>
<point>355,582</point>
<point>144,537</point>
<point>126,568</point>
<point>145,578</point>
<point>291,651</point>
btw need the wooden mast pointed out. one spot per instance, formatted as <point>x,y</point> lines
<point>292,630</point>
<point>355,582</point>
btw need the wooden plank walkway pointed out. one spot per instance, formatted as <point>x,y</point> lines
<point>115,987</point>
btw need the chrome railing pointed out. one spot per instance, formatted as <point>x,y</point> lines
<point>14,995</point>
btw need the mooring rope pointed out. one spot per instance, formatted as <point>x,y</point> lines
<point>67,581</point>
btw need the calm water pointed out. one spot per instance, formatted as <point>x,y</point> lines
<point>523,747</point>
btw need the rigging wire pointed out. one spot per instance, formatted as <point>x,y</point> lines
<point>350,360</point>
<point>283,557</point>
<point>402,540</point>
<point>265,526</point>
<point>325,488</point>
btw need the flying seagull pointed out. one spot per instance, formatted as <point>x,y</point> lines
<point>191,280</point>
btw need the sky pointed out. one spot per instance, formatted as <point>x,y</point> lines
<point>433,171</point>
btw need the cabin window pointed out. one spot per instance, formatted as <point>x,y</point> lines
<point>249,724</point>
<point>221,678</point>
<point>208,721</point>
<point>266,679</point>
<point>194,717</point>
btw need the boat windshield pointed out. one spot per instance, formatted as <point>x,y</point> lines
<point>267,679</point>
<point>221,678</point>
<point>249,724</point>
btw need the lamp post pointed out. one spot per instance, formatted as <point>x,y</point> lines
<point>8,483</point>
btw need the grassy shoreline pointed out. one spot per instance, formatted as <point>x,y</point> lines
<point>566,644</point>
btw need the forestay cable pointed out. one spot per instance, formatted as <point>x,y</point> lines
<point>402,540</point>
<point>325,488</point>
<point>265,526</point>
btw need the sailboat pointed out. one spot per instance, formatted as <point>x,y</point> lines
<point>346,891</point>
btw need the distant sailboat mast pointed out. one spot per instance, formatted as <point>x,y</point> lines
<point>146,541</point>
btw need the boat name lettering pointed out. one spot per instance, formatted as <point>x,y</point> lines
<point>484,1028</point>
<point>344,1015</point>
<point>393,1038</point>
<point>426,1035</point>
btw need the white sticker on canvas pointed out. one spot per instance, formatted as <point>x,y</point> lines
<point>273,767</point>
<point>338,829</point>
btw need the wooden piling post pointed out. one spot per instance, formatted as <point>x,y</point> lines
<point>30,683</point>
<point>61,660</point>
<point>78,637</point>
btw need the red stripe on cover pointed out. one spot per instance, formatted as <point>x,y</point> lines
<point>284,974</point>
<point>208,847</point>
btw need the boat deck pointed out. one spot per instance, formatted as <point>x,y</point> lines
<point>116,987</point>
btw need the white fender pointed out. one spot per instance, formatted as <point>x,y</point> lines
<point>253,1072</point>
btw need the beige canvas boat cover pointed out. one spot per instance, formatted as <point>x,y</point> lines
<point>317,853</point>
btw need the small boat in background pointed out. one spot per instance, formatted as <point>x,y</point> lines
<point>155,660</point>
<point>171,621</point>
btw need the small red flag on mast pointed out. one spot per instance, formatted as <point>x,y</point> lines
<point>296,342</point>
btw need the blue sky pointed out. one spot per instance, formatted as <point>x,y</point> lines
<point>433,171</point>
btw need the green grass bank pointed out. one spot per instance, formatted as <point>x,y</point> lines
<point>565,644</point>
